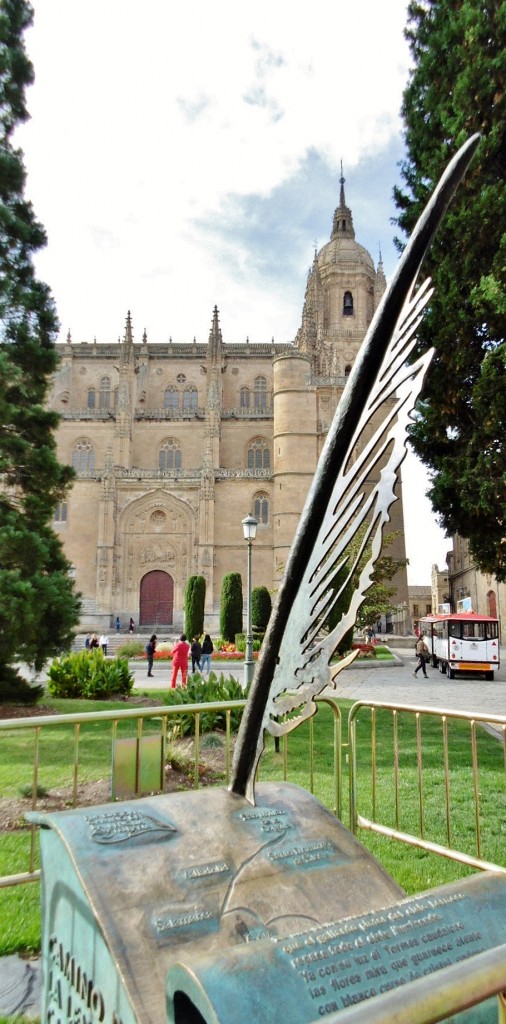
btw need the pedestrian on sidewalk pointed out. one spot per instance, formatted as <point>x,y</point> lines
<point>207,650</point>
<point>150,651</point>
<point>180,653</point>
<point>422,653</point>
<point>196,653</point>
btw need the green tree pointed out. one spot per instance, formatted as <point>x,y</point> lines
<point>261,607</point>
<point>38,605</point>
<point>378,597</point>
<point>231,605</point>
<point>194,605</point>
<point>458,86</point>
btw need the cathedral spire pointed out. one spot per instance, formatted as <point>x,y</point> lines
<point>128,341</point>
<point>215,338</point>
<point>342,226</point>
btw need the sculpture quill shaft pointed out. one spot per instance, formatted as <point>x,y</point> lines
<point>337,501</point>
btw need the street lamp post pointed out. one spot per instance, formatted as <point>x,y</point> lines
<point>249,527</point>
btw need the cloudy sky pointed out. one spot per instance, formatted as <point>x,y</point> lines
<point>182,156</point>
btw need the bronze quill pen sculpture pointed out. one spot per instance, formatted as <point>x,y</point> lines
<point>339,536</point>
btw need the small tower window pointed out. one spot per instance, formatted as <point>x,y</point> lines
<point>347,371</point>
<point>348,304</point>
<point>60,512</point>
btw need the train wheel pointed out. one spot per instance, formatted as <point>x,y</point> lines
<point>450,672</point>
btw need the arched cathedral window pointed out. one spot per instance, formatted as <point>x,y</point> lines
<point>105,393</point>
<point>83,456</point>
<point>171,398</point>
<point>91,398</point>
<point>259,456</point>
<point>348,304</point>
<point>261,509</point>
<point>170,454</point>
<point>190,399</point>
<point>244,396</point>
<point>260,393</point>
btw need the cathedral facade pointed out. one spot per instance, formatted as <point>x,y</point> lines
<point>174,444</point>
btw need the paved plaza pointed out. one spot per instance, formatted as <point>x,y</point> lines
<point>393,683</point>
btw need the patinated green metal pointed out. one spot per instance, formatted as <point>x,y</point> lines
<point>128,889</point>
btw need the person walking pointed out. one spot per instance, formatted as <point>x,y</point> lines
<point>150,651</point>
<point>180,653</point>
<point>104,640</point>
<point>207,650</point>
<point>422,653</point>
<point>196,650</point>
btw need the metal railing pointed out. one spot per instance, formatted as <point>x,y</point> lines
<point>391,742</point>
<point>363,751</point>
<point>164,717</point>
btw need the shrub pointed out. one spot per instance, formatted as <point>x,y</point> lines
<point>231,605</point>
<point>206,691</point>
<point>130,649</point>
<point>261,607</point>
<point>194,604</point>
<point>88,674</point>
<point>240,642</point>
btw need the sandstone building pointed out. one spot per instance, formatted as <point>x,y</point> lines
<point>174,444</point>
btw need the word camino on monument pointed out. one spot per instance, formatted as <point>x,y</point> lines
<point>256,903</point>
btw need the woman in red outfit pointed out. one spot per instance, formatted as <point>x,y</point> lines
<point>180,653</point>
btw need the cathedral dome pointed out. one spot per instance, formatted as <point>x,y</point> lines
<point>344,249</point>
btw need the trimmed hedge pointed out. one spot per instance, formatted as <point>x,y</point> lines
<point>194,605</point>
<point>231,605</point>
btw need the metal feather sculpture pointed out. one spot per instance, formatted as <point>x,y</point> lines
<point>339,536</point>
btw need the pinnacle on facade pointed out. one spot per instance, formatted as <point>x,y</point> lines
<point>128,342</point>
<point>215,338</point>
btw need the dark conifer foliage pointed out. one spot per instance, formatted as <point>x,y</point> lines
<point>458,87</point>
<point>38,606</point>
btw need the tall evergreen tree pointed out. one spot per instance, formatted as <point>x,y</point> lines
<point>194,606</point>
<point>457,87</point>
<point>38,605</point>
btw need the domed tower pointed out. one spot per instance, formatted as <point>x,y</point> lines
<point>342,293</point>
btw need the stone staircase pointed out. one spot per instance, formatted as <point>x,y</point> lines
<point>118,639</point>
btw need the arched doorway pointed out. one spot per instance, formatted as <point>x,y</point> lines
<point>492,604</point>
<point>156,604</point>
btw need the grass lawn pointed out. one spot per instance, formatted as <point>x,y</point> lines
<point>414,869</point>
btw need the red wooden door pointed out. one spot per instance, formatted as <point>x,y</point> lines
<point>156,599</point>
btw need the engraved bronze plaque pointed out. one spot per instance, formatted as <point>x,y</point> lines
<point>130,888</point>
<point>324,970</point>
